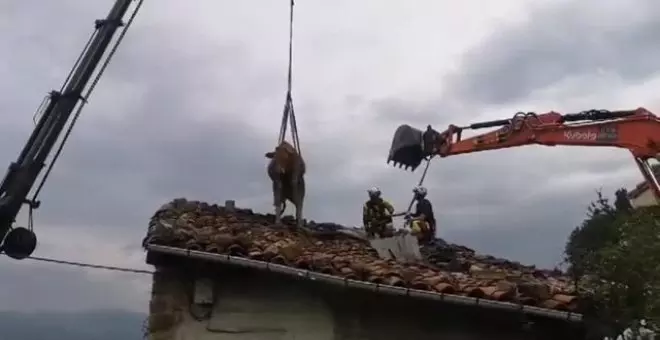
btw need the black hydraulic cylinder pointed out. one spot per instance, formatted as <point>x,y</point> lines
<point>489,124</point>
<point>23,173</point>
<point>595,115</point>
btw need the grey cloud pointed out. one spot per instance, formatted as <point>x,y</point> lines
<point>438,112</point>
<point>116,173</point>
<point>532,231</point>
<point>141,142</point>
<point>559,41</point>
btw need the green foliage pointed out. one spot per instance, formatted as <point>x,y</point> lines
<point>615,256</point>
<point>595,232</point>
<point>626,274</point>
<point>622,203</point>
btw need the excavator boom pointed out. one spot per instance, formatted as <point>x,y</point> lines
<point>636,130</point>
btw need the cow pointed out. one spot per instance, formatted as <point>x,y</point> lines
<point>286,170</point>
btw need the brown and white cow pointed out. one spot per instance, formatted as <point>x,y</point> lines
<point>286,170</point>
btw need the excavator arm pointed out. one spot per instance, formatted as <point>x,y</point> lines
<point>636,130</point>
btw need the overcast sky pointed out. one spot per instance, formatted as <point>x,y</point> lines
<point>193,98</point>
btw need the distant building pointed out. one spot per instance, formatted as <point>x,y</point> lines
<point>642,195</point>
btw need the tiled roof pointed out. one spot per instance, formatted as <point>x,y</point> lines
<point>329,249</point>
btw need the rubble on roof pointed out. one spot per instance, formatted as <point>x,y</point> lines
<point>327,248</point>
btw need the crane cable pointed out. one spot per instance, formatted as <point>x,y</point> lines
<point>288,114</point>
<point>85,98</point>
<point>421,181</point>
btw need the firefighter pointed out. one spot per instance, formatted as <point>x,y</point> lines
<point>423,220</point>
<point>377,215</point>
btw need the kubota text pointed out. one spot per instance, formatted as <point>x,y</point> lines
<point>578,135</point>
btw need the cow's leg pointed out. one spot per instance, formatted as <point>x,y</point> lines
<point>283,209</point>
<point>300,199</point>
<point>277,200</point>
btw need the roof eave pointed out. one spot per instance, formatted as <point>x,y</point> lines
<point>378,288</point>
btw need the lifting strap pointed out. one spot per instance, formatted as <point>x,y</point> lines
<point>288,114</point>
<point>421,181</point>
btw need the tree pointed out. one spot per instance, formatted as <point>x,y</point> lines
<point>622,203</point>
<point>626,274</point>
<point>614,255</point>
<point>595,232</point>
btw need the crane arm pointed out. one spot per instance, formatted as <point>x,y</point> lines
<point>57,109</point>
<point>635,130</point>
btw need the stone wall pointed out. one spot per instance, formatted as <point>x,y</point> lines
<point>234,304</point>
<point>168,306</point>
<point>229,303</point>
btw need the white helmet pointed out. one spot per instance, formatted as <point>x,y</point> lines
<point>420,191</point>
<point>374,192</point>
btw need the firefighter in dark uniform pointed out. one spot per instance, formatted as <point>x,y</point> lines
<point>377,215</point>
<point>422,220</point>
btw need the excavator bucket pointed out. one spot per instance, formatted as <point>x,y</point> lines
<point>407,148</point>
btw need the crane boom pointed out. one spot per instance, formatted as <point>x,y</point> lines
<point>635,130</point>
<point>23,173</point>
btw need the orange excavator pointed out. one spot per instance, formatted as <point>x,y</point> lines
<point>636,130</point>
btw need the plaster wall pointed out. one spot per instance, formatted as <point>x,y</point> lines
<point>237,304</point>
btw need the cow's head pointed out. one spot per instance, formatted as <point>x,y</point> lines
<point>283,156</point>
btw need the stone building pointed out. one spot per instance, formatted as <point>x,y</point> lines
<point>225,273</point>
